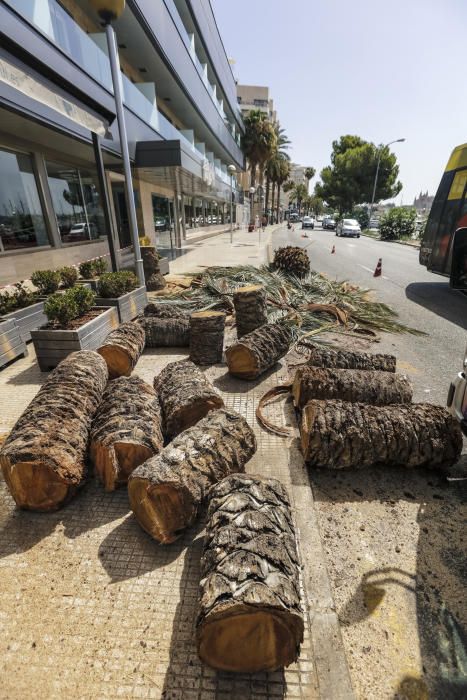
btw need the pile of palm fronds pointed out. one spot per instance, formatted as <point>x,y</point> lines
<point>311,305</point>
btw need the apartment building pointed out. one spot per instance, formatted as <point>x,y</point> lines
<point>61,184</point>
<point>256,97</point>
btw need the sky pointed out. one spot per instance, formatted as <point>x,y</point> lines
<point>381,69</point>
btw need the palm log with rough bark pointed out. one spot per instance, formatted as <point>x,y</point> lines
<point>185,395</point>
<point>340,435</point>
<point>322,356</point>
<point>206,337</point>
<point>122,349</point>
<point>166,491</point>
<point>166,331</point>
<point>251,311</point>
<point>126,430</point>
<point>250,618</point>
<point>152,274</point>
<point>259,350</point>
<point>357,385</point>
<point>44,458</point>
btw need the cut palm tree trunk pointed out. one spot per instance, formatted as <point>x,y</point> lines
<point>152,273</point>
<point>166,491</point>
<point>251,311</point>
<point>340,435</point>
<point>372,387</point>
<point>126,430</point>
<point>163,332</point>
<point>122,349</point>
<point>185,395</point>
<point>43,458</point>
<point>250,617</point>
<point>259,350</point>
<point>321,356</point>
<point>207,337</point>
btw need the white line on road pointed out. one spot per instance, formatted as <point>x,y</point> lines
<point>372,271</point>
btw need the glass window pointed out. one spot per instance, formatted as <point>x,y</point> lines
<point>163,216</point>
<point>76,201</point>
<point>22,223</point>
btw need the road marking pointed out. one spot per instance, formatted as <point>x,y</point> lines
<point>372,271</point>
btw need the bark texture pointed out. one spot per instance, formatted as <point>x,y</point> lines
<point>207,337</point>
<point>152,274</point>
<point>376,388</point>
<point>166,491</point>
<point>43,458</point>
<point>164,311</point>
<point>166,332</point>
<point>321,356</point>
<point>340,435</point>
<point>185,395</point>
<point>126,430</point>
<point>122,349</point>
<point>259,350</point>
<point>251,311</point>
<point>250,617</point>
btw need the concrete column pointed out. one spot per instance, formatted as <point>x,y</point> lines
<point>177,227</point>
<point>182,204</point>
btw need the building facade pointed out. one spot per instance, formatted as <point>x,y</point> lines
<point>61,185</point>
<point>252,97</point>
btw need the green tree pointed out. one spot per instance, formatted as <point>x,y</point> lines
<point>362,216</point>
<point>350,177</point>
<point>309,174</point>
<point>298,194</point>
<point>273,163</point>
<point>259,141</point>
<point>398,223</point>
<point>316,204</point>
<point>281,178</point>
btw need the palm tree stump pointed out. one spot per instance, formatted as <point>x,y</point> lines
<point>185,396</point>
<point>122,349</point>
<point>44,458</point>
<point>152,274</point>
<point>126,430</point>
<point>171,332</point>
<point>259,350</point>
<point>251,311</point>
<point>372,387</point>
<point>343,435</point>
<point>322,356</point>
<point>250,618</point>
<point>166,491</point>
<point>207,337</point>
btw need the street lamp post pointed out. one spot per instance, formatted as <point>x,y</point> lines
<point>376,175</point>
<point>110,10</point>
<point>232,170</point>
<point>252,193</point>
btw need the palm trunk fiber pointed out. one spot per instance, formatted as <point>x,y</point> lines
<point>166,332</point>
<point>43,458</point>
<point>251,310</point>
<point>207,337</point>
<point>259,350</point>
<point>166,491</point>
<point>126,430</point>
<point>152,274</point>
<point>342,435</point>
<point>372,387</point>
<point>321,356</point>
<point>250,618</point>
<point>122,349</point>
<point>185,395</point>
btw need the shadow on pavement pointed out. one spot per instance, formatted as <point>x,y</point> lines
<point>439,298</point>
<point>438,585</point>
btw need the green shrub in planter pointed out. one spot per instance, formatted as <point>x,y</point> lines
<point>46,281</point>
<point>113,284</point>
<point>86,270</point>
<point>63,308</point>
<point>68,276</point>
<point>19,298</point>
<point>100,266</point>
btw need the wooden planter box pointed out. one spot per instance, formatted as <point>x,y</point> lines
<point>52,346</point>
<point>28,319</point>
<point>12,344</point>
<point>129,305</point>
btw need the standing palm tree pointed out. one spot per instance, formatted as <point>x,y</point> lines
<point>281,178</point>
<point>297,194</point>
<point>309,173</point>
<point>258,142</point>
<point>282,144</point>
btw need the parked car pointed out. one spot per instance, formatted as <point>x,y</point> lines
<point>294,218</point>
<point>348,227</point>
<point>329,223</point>
<point>81,232</point>
<point>160,223</point>
<point>457,397</point>
<point>308,222</point>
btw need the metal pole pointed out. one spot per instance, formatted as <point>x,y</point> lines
<point>374,186</point>
<point>116,78</point>
<point>231,209</point>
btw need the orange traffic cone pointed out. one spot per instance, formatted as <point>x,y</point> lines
<point>379,268</point>
<point>333,249</point>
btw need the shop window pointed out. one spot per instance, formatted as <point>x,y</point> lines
<point>76,202</point>
<point>22,223</point>
<point>162,209</point>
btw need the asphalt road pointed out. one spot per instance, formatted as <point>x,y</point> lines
<point>422,299</point>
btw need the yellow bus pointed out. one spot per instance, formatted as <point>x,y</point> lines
<point>448,213</point>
